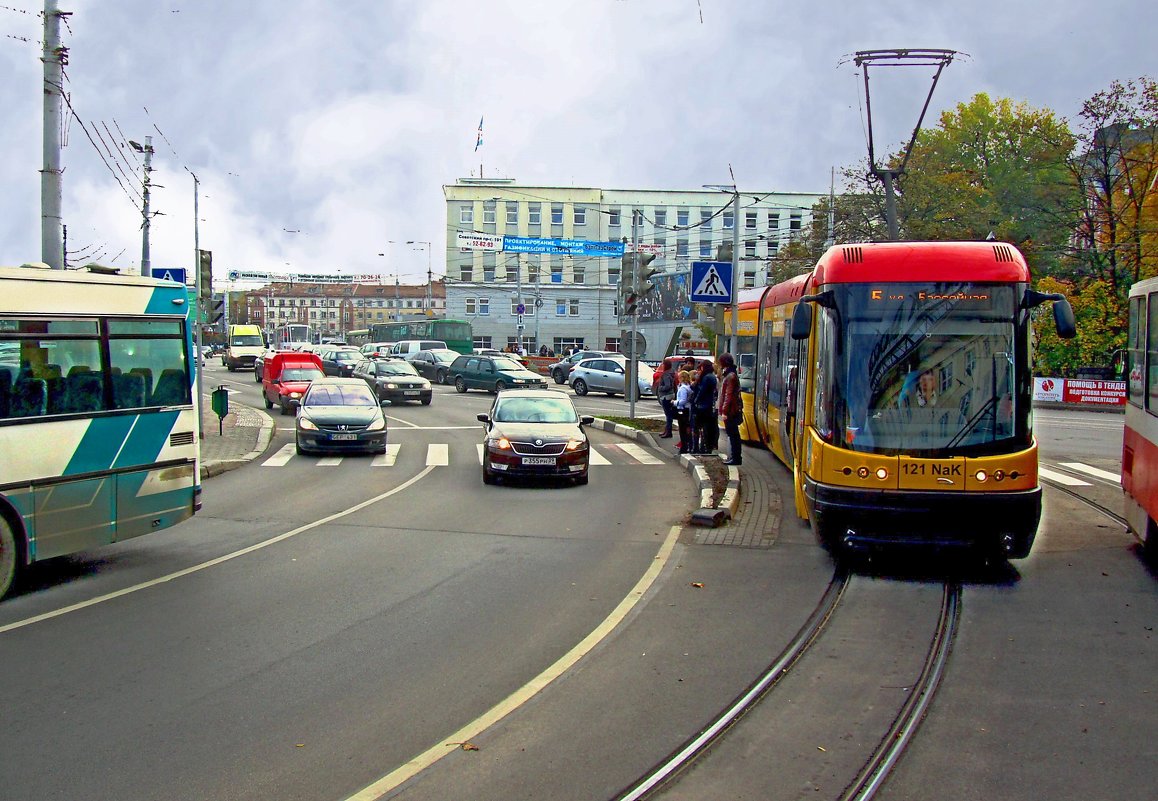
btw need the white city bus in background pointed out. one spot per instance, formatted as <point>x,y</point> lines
<point>98,428</point>
<point>291,336</point>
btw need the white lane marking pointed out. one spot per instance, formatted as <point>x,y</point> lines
<point>639,453</point>
<point>19,624</point>
<point>1093,471</point>
<point>1061,478</point>
<point>387,459</point>
<point>598,458</point>
<point>281,457</point>
<point>419,763</point>
<point>437,455</point>
<point>329,461</point>
<point>479,447</point>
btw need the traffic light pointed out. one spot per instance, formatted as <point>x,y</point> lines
<point>216,310</point>
<point>646,274</point>
<point>627,271</point>
<point>205,267</point>
<point>630,303</point>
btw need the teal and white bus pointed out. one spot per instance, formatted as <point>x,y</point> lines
<point>98,428</point>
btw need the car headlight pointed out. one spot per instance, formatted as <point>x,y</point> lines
<point>502,443</point>
<point>295,395</point>
<point>307,423</point>
<point>377,425</point>
<point>391,385</point>
<point>576,444</point>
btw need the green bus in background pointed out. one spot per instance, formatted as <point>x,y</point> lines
<point>457,334</point>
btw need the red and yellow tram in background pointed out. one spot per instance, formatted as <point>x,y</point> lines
<point>894,381</point>
<point>1140,438</point>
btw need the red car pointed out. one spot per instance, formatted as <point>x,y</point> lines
<point>286,376</point>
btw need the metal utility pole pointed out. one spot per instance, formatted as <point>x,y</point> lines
<point>735,343</point>
<point>631,386</point>
<point>429,276</point>
<point>54,57</point>
<point>519,308</point>
<point>894,58</point>
<point>145,213</point>
<point>200,310</point>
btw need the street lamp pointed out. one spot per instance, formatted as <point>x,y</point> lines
<point>735,192</point>
<point>429,275</point>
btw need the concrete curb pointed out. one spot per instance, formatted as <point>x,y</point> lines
<point>707,515</point>
<point>264,436</point>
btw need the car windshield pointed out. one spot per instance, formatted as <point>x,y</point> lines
<point>507,364</point>
<point>395,368</point>
<point>247,341</point>
<point>301,374</point>
<point>535,410</point>
<point>344,395</point>
<point>346,355</point>
<point>445,358</point>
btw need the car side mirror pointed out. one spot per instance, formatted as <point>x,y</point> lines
<point>586,420</point>
<point>483,417</point>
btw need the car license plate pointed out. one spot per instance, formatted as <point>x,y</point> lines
<point>412,392</point>
<point>539,460</point>
<point>343,437</point>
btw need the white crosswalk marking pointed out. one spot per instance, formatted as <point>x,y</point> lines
<point>437,455</point>
<point>1078,467</point>
<point>281,457</point>
<point>640,453</point>
<point>387,459</point>
<point>1061,478</point>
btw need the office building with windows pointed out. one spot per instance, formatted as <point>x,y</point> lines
<point>571,298</point>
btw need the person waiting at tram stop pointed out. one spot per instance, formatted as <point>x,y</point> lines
<point>665,391</point>
<point>731,407</point>
<point>704,400</point>
<point>683,411</point>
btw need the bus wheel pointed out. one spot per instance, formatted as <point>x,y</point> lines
<point>9,556</point>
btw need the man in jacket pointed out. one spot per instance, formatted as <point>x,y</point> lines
<point>731,406</point>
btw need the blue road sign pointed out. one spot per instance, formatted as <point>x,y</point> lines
<point>711,282</point>
<point>168,273</point>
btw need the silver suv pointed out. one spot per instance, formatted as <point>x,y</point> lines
<point>608,374</point>
<point>561,370</point>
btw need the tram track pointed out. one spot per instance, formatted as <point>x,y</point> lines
<point>892,744</point>
<point>1104,510</point>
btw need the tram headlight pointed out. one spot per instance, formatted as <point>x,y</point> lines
<point>882,473</point>
<point>981,476</point>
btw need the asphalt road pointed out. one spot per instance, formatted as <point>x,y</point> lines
<point>324,629</point>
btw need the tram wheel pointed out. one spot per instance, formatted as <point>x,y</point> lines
<point>9,556</point>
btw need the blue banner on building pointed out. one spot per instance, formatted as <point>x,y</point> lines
<point>566,247</point>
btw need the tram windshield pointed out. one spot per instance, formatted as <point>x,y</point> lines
<point>922,368</point>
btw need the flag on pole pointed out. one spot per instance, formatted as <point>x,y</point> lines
<point>478,143</point>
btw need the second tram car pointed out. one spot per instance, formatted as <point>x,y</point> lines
<point>894,381</point>
<point>1140,437</point>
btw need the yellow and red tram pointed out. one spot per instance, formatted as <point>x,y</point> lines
<point>893,379</point>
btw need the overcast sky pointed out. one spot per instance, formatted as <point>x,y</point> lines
<point>322,131</point>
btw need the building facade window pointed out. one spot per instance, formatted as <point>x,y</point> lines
<point>682,218</point>
<point>750,221</point>
<point>573,307</point>
<point>577,273</point>
<point>580,215</point>
<point>681,248</point>
<point>729,220</point>
<point>556,273</point>
<point>705,218</point>
<point>613,274</point>
<point>556,214</point>
<point>750,248</point>
<point>661,218</point>
<point>773,221</point>
<point>794,221</point>
<point>466,215</point>
<point>613,217</point>
<point>466,273</point>
<point>705,248</point>
<point>560,307</point>
<point>535,214</point>
<point>489,215</point>
<point>512,215</point>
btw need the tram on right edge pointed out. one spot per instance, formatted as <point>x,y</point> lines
<point>894,381</point>
<point>1140,436</point>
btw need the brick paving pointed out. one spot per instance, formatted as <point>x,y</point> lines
<point>757,519</point>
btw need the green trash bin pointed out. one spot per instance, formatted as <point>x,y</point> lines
<point>220,404</point>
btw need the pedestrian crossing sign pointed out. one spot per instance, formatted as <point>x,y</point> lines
<point>711,282</point>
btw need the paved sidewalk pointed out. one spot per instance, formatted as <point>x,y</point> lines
<point>244,435</point>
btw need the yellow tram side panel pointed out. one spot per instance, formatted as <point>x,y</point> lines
<point>1010,472</point>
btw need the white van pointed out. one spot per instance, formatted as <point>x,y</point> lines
<point>406,348</point>
<point>244,345</point>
